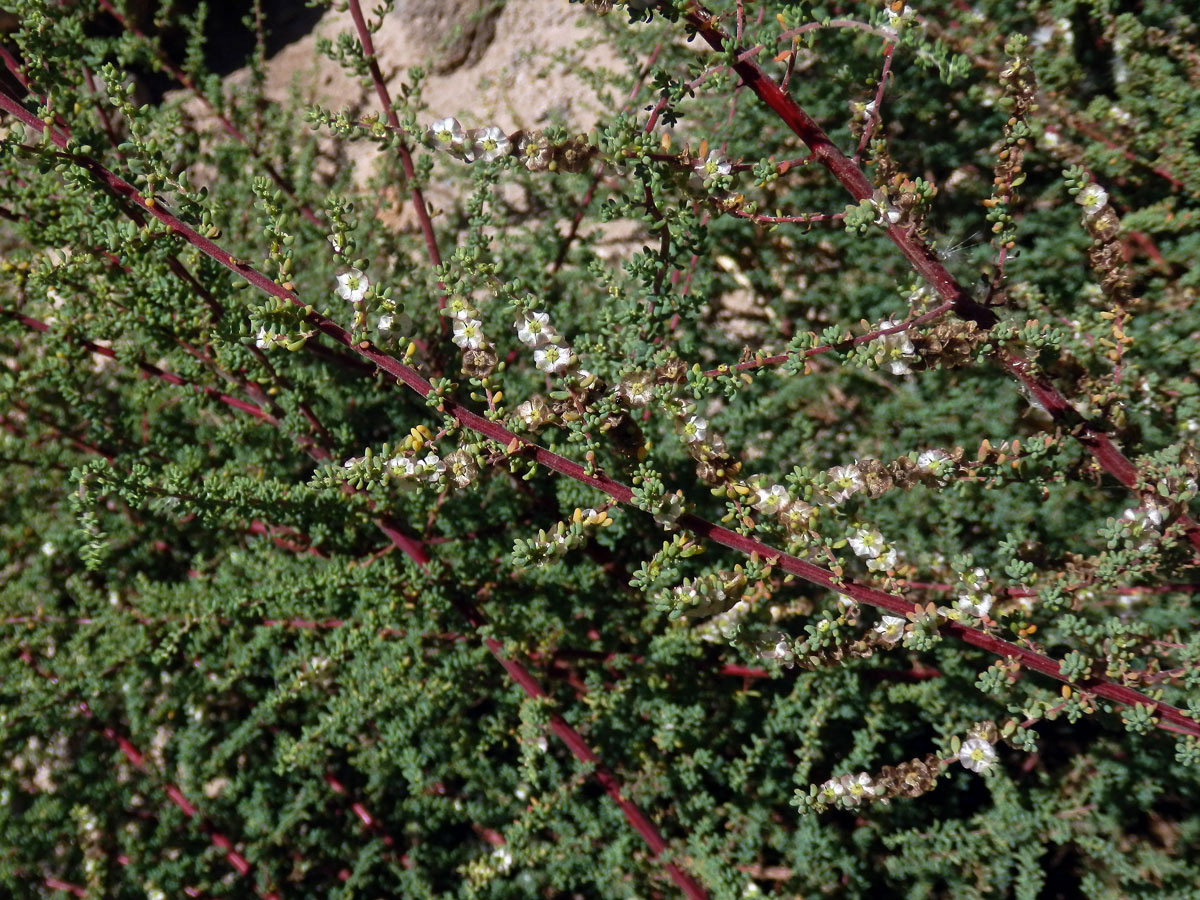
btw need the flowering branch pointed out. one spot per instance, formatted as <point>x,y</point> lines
<point>809,572</point>
<point>1090,434</point>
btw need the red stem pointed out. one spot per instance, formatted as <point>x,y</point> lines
<point>410,173</point>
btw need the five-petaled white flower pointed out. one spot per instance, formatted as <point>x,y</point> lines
<point>897,19</point>
<point>534,151</point>
<point>884,562</point>
<point>715,164</point>
<point>867,541</point>
<point>534,329</point>
<point>352,286</point>
<point>447,134</point>
<point>552,358</point>
<point>263,341</point>
<point>975,603</point>
<point>468,334</point>
<point>831,790</point>
<point>845,480</point>
<point>890,629</point>
<point>402,467</point>
<point>897,348</point>
<point>636,389</point>
<point>433,468</point>
<point>771,500</point>
<point>694,430</point>
<point>489,143</point>
<point>976,754</point>
<point>857,787</point>
<point>1092,198</point>
<point>503,857</point>
<point>933,461</point>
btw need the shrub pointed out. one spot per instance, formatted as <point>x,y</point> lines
<point>781,487</point>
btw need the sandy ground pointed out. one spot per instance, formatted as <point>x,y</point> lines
<point>487,66</point>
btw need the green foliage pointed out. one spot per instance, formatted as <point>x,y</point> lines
<point>284,479</point>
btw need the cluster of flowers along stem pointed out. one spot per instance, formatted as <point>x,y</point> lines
<point>561,538</point>
<point>908,779</point>
<point>537,151</point>
<point>413,462</point>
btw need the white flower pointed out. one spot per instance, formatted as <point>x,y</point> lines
<point>670,511</point>
<point>468,334</point>
<point>884,562</point>
<point>433,468</point>
<point>694,430</point>
<point>461,467</point>
<point>352,286</point>
<point>797,516</point>
<point>636,390</point>
<point>534,151</point>
<point>832,790</point>
<point>857,787</point>
<point>488,143</point>
<point>553,359</point>
<point>846,480</point>
<point>1142,516</point>
<point>461,308</point>
<point>534,413</point>
<point>868,111</point>
<point>897,19</point>
<point>890,629</point>
<point>775,645</point>
<point>534,329</point>
<point>932,461</point>
<point>1143,521</point>
<point>975,603</point>
<point>976,754</point>
<point>771,500</point>
<point>447,134</point>
<point>262,342</point>
<point>867,541</point>
<point>48,549</point>
<point>504,858</point>
<point>402,467</point>
<point>895,347</point>
<point>715,164</point>
<point>1092,198</point>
